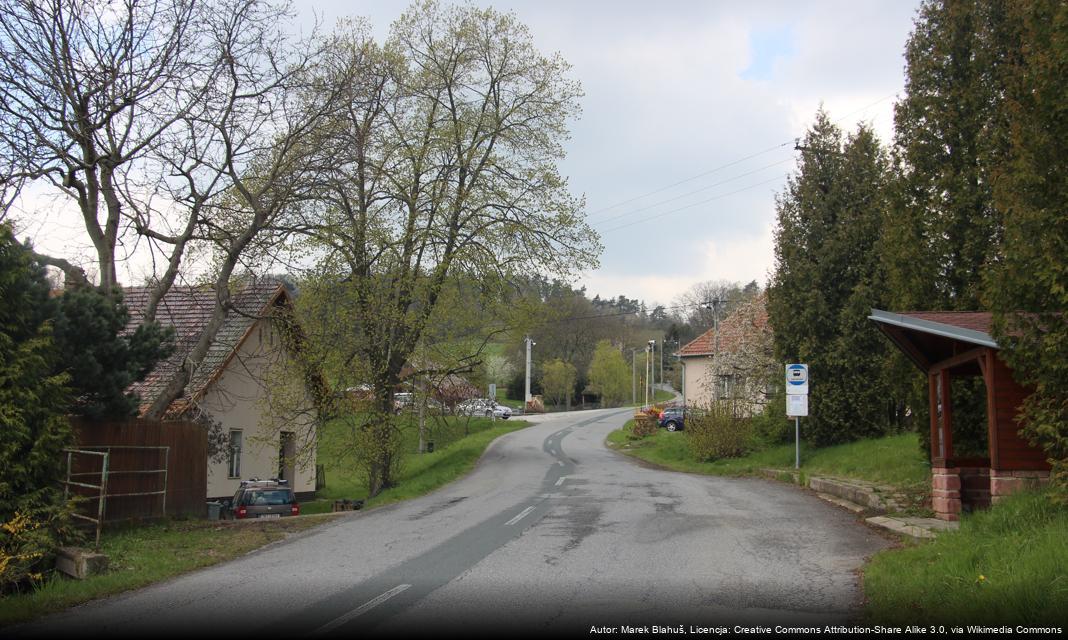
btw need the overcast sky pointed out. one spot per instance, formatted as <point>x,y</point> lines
<point>679,89</point>
<point>689,117</point>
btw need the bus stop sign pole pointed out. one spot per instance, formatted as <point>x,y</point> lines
<point>797,402</point>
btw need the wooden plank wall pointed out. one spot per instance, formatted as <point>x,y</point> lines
<point>187,468</point>
<point>1013,451</point>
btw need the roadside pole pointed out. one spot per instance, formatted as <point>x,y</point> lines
<point>634,376</point>
<point>526,398</point>
<point>797,403</point>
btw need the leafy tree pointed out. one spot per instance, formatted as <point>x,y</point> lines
<point>943,228</point>
<point>949,134</point>
<point>1028,284</point>
<point>609,375</point>
<point>437,170</point>
<point>35,431</point>
<point>499,369</point>
<point>101,359</point>
<point>829,222</point>
<point>558,381</point>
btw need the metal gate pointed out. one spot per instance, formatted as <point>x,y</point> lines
<point>100,488</point>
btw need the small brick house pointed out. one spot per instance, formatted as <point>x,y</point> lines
<point>945,346</point>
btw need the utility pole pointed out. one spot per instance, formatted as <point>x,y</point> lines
<point>662,345</point>
<point>526,399</point>
<point>634,376</point>
<point>714,305</point>
<point>649,369</point>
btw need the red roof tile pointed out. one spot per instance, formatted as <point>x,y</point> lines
<point>734,330</point>
<point>188,310</point>
<point>973,320</point>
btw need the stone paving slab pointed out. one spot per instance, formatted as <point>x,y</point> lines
<point>915,527</point>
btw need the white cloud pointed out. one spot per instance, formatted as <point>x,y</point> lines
<point>740,258</point>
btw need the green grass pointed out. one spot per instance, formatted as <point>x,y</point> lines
<point>895,460</point>
<point>454,455</point>
<point>1005,566</point>
<point>502,398</point>
<point>663,396</point>
<point>143,554</point>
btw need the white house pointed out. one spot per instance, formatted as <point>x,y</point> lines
<point>731,360</point>
<point>228,389</point>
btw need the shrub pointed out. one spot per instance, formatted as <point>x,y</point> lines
<point>719,431</point>
<point>33,429</point>
<point>771,426</point>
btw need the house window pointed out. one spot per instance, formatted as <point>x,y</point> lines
<point>726,388</point>
<point>235,453</point>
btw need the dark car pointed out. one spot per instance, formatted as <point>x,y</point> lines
<point>673,418</point>
<point>263,499</point>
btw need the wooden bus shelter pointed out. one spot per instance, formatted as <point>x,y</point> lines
<point>945,346</point>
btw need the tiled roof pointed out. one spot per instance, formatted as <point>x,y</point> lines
<point>188,310</point>
<point>734,330</point>
<point>972,320</point>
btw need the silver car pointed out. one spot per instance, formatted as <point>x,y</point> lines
<point>483,407</point>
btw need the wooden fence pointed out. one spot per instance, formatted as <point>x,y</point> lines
<point>146,457</point>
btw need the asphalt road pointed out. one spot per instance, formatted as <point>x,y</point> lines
<point>552,533</point>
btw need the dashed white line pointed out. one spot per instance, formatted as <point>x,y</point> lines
<point>362,609</point>
<point>522,514</point>
<point>561,480</point>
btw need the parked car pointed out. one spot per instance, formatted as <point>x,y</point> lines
<point>483,407</point>
<point>407,401</point>
<point>257,498</point>
<point>673,418</point>
<point>402,401</point>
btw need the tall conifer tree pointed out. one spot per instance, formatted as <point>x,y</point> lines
<point>827,278</point>
<point>1031,273</point>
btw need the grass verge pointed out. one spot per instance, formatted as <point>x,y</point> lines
<point>143,554</point>
<point>894,460</point>
<point>1005,566</point>
<point>454,455</point>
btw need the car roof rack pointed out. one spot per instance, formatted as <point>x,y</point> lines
<point>266,483</point>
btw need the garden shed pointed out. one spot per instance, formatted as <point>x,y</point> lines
<point>946,346</point>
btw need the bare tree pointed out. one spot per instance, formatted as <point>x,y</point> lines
<point>87,88</point>
<point>241,164</point>
<point>177,123</point>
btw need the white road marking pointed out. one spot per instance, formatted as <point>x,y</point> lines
<point>362,609</point>
<point>561,480</point>
<point>560,463</point>
<point>522,514</point>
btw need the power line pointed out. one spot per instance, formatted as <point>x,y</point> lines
<point>711,171</point>
<point>689,206</point>
<point>690,193</point>
<point>692,178</point>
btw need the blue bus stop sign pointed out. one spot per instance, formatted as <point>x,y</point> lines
<point>797,379</point>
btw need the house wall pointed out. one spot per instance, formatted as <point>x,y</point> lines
<point>698,387</point>
<point>237,400</point>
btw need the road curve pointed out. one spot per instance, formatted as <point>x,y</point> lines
<point>551,533</point>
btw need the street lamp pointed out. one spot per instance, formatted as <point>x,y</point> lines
<point>649,347</point>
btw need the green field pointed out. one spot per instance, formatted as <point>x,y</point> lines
<point>895,460</point>
<point>458,444</point>
<point>141,555</point>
